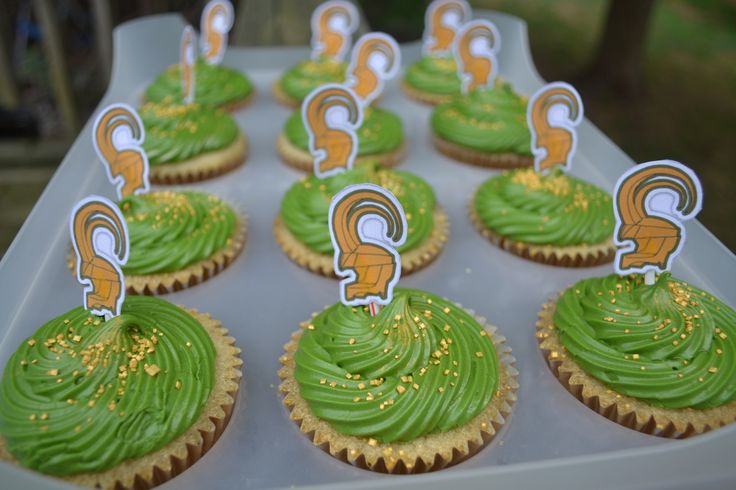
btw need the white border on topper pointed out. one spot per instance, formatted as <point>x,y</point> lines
<point>382,76</point>
<point>626,246</point>
<point>489,54</point>
<point>135,144</point>
<point>188,55</point>
<point>112,258</point>
<point>427,37</point>
<point>229,20</point>
<point>348,276</point>
<point>319,155</point>
<point>570,124</point>
<point>352,26</point>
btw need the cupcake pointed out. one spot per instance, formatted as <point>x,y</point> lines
<point>190,142</point>
<point>299,80</point>
<point>178,239</point>
<point>380,140</point>
<point>554,219</point>
<point>655,358</point>
<point>486,127</point>
<point>421,386</point>
<point>216,86</point>
<point>128,402</point>
<point>301,228</point>
<point>433,79</point>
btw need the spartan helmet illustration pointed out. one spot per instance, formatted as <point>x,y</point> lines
<point>100,270</point>
<point>554,142</point>
<point>187,59</point>
<point>475,48</point>
<point>653,239</point>
<point>373,267</point>
<point>217,19</point>
<point>332,25</point>
<point>332,141</point>
<point>124,158</point>
<point>442,20</point>
<point>376,58</point>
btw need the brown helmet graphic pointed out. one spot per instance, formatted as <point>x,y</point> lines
<point>477,65</point>
<point>126,164</point>
<point>375,58</point>
<point>554,142</point>
<point>328,39</point>
<point>217,19</point>
<point>438,34</point>
<point>372,266</point>
<point>332,142</point>
<point>187,59</point>
<point>651,239</point>
<point>99,270</point>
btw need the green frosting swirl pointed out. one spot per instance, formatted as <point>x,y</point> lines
<point>489,120</point>
<point>305,206</point>
<point>175,133</point>
<point>169,231</point>
<point>299,80</point>
<point>435,75</point>
<point>553,209</point>
<point>671,345</point>
<point>83,394</point>
<point>421,366</point>
<point>381,132</point>
<point>214,85</point>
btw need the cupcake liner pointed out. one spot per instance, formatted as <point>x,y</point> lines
<point>481,158</point>
<point>427,453</point>
<point>282,97</point>
<point>422,96</point>
<point>303,160</point>
<point>168,282</point>
<point>179,454</point>
<point>322,264</point>
<point>202,167</point>
<point>569,256</point>
<point>624,410</point>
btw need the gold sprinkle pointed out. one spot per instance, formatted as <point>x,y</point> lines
<point>189,344</point>
<point>441,389</point>
<point>32,342</point>
<point>635,357</point>
<point>44,416</point>
<point>351,341</point>
<point>32,418</point>
<point>322,381</point>
<point>415,386</point>
<point>554,354</point>
<point>372,442</point>
<point>478,354</point>
<point>77,338</point>
<point>713,369</point>
<point>152,369</point>
<point>400,389</point>
<point>701,379</point>
<point>111,406</point>
<point>77,428</point>
<point>91,403</point>
<point>53,372</point>
<point>361,386</point>
<point>178,384</point>
<point>23,362</point>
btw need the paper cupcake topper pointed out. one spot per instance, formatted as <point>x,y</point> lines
<point>441,21</point>
<point>367,224</point>
<point>333,23</point>
<point>118,140</point>
<point>217,20</point>
<point>475,48</point>
<point>332,115</point>
<point>187,59</point>
<point>100,240</point>
<point>552,114</point>
<point>376,58</point>
<point>652,199</point>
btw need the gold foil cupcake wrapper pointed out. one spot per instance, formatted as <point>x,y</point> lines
<point>481,158</point>
<point>427,453</point>
<point>303,160</point>
<point>411,261</point>
<point>169,282</point>
<point>622,409</point>
<point>568,256</point>
<point>422,96</point>
<point>183,451</point>
<point>202,167</point>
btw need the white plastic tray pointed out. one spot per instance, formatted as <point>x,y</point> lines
<point>551,440</point>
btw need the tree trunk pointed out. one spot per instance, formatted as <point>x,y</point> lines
<point>618,63</point>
